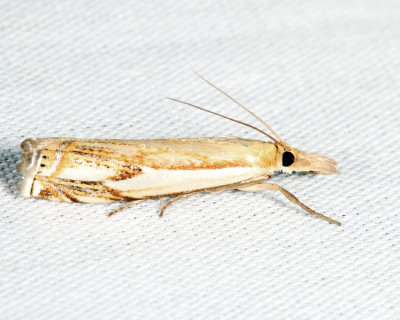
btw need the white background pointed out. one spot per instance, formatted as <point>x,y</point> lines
<point>324,74</point>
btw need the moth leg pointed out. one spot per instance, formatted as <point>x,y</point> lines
<point>171,201</point>
<point>209,190</point>
<point>288,195</point>
<point>127,205</point>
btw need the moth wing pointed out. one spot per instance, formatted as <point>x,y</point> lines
<point>110,170</point>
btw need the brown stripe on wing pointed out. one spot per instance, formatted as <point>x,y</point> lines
<point>52,190</point>
<point>201,166</point>
<point>73,158</point>
<point>103,160</point>
<point>78,189</point>
<point>124,169</point>
<point>126,173</point>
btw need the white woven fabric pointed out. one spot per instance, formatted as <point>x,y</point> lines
<point>323,74</point>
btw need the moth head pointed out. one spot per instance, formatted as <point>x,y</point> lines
<point>294,160</point>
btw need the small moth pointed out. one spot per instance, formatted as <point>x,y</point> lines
<point>98,171</point>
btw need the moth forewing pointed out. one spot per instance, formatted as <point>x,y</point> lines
<point>93,171</point>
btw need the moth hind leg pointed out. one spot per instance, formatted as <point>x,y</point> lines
<point>209,190</point>
<point>127,205</point>
<point>164,207</point>
<point>291,197</point>
<point>171,201</point>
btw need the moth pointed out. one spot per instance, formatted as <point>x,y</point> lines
<point>98,171</point>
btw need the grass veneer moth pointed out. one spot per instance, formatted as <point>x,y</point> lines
<point>98,171</point>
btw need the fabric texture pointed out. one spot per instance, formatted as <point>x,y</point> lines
<point>324,74</point>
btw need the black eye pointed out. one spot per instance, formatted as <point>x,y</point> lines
<point>287,158</point>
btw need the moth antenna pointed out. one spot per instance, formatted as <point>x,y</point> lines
<point>240,105</point>
<point>226,117</point>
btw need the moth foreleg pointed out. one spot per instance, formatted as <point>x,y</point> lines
<point>127,205</point>
<point>288,195</point>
